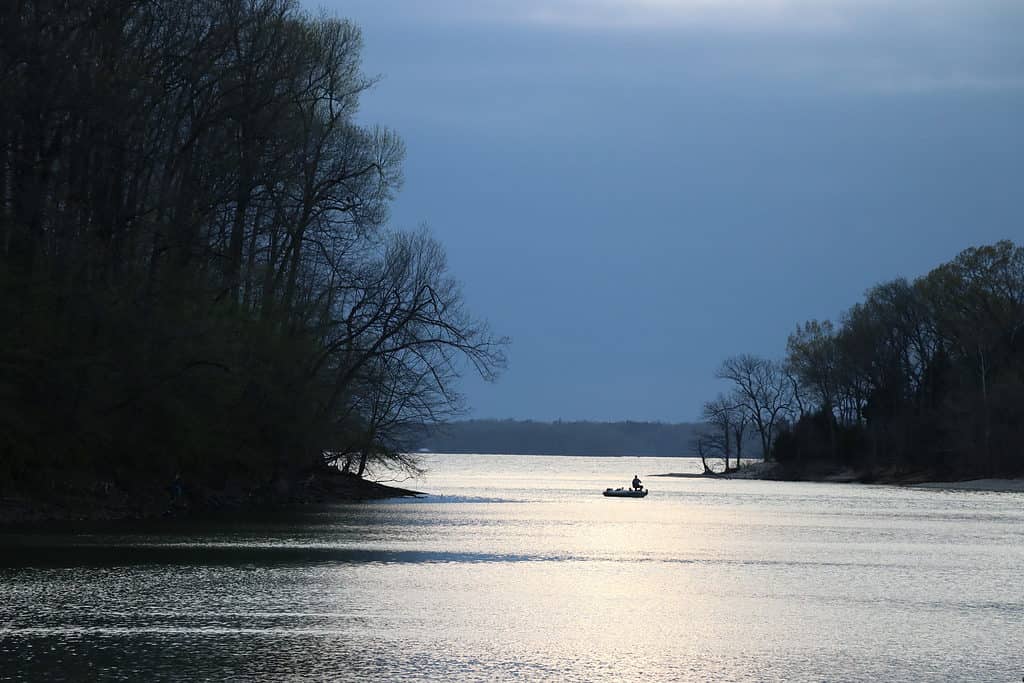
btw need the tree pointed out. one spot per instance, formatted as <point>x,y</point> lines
<point>727,422</point>
<point>812,360</point>
<point>976,305</point>
<point>707,447</point>
<point>395,344</point>
<point>924,375</point>
<point>194,269</point>
<point>762,391</point>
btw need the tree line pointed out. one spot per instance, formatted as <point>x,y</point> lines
<point>529,437</point>
<point>922,375</point>
<point>196,273</point>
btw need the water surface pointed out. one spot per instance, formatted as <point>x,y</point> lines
<point>517,568</point>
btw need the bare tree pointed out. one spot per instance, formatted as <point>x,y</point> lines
<point>740,422</point>
<point>398,343</point>
<point>762,391</point>
<point>720,415</point>
<point>706,446</point>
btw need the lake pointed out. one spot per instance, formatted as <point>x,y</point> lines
<point>517,568</point>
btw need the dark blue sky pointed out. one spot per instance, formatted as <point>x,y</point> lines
<point>633,190</point>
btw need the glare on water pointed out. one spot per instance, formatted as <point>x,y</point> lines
<point>517,568</point>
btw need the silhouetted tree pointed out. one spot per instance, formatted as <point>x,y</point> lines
<point>726,419</point>
<point>762,391</point>
<point>193,271</point>
<point>923,374</point>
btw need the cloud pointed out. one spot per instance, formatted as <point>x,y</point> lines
<point>786,16</point>
<point>729,15</point>
<point>767,16</point>
<point>884,46</point>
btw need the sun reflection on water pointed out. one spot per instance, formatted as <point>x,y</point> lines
<point>517,568</point>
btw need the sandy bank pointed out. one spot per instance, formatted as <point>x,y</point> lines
<point>1000,485</point>
<point>688,475</point>
<point>753,470</point>
<point>769,472</point>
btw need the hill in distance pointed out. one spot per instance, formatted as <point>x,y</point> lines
<point>527,437</point>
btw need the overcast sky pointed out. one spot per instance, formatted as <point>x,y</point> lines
<point>633,190</point>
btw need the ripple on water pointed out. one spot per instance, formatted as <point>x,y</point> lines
<point>503,575</point>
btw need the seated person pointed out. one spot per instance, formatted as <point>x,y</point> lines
<point>637,484</point>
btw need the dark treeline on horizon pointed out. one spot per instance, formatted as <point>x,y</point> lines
<point>924,376</point>
<point>195,271</point>
<point>527,437</point>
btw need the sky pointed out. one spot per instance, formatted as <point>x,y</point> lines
<point>633,190</point>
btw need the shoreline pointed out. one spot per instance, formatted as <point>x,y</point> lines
<point>988,484</point>
<point>919,480</point>
<point>29,510</point>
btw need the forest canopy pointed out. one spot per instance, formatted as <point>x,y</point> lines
<point>196,273</point>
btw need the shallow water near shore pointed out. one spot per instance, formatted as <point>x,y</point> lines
<point>517,568</point>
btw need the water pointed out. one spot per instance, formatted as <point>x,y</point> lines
<point>517,568</point>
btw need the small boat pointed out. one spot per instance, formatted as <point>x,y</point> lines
<point>625,493</point>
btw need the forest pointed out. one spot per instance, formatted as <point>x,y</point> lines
<point>198,282</point>
<point>922,376</point>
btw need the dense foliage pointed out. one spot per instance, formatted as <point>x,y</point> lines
<point>194,271</point>
<point>925,375</point>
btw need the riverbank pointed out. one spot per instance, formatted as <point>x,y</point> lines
<point>75,500</point>
<point>891,477</point>
<point>1000,485</point>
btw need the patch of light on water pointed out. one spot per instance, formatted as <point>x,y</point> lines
<point>518,568</point>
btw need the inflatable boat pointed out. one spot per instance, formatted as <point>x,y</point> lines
<point>625,493</point>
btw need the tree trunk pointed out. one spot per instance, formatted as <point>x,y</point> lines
<point>238,224</point>
<point>363,455</point>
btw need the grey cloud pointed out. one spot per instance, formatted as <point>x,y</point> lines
<point>884,46</point>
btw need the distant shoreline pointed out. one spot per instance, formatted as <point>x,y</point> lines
<point>579,438</point>
<point>560,455</point>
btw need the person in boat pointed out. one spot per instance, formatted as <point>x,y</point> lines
<point>637,484</point>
